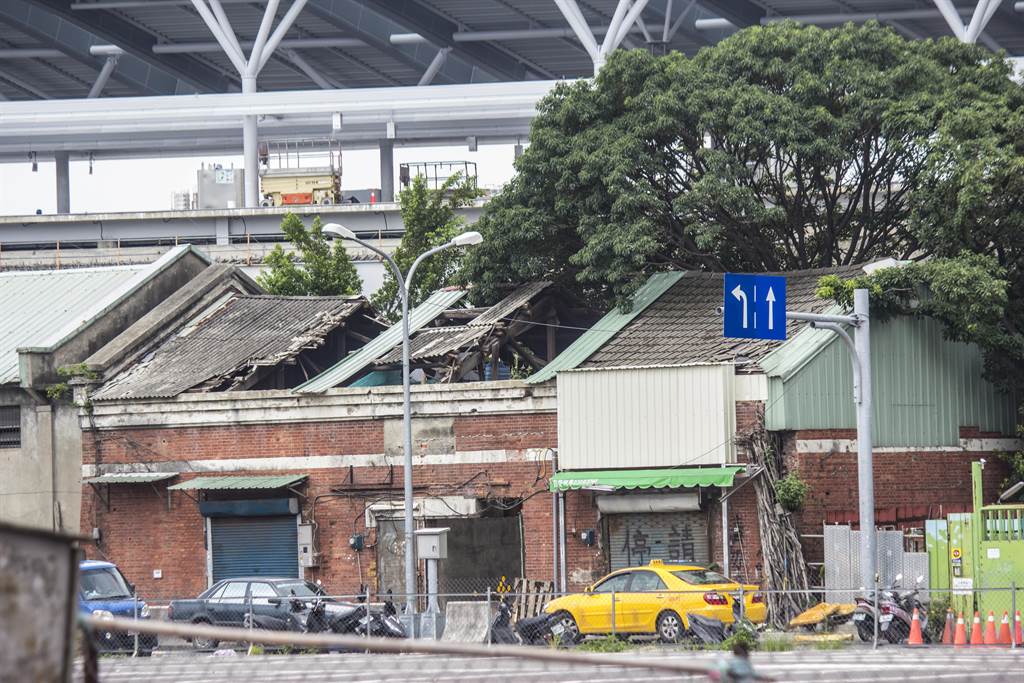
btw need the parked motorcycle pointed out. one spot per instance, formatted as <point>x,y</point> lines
<point>542,629</point>
<point>898,613</point>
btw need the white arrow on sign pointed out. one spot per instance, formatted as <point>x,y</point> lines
<point>771,308</point>
<point>741,296</point>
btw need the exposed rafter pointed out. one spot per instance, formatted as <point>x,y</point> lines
<point>740,13</point>
<point>438,30</point>
<point>165,74</point>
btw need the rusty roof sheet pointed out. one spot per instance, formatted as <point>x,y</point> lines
<point>229,340</point>
<point>683,325</point>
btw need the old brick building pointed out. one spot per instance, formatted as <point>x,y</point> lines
<point>482,451</point>
<point>660,388</point>
<point>627,447</point>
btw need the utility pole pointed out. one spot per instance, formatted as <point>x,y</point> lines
<point>860,357</point>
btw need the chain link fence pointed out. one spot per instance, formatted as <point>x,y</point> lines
<point>702,618</point>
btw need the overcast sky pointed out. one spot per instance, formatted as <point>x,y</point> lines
<point>149,184</point>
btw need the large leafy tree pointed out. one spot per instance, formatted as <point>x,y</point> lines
<point>430,220</point>
<point>317,268</point>
<point>782,147</point>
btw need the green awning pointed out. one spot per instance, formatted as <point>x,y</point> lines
<point>684,477</point>
<point>237,483</point>
<point>131,478</point>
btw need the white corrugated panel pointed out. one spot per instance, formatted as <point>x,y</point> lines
<point>646,417</point>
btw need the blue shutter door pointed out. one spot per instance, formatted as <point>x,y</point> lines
<point>254,546</point>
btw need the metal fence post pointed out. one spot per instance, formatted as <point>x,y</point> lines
<point>1013,615</point>
<point>489,616</point>
<point>743,604</point>
<point>368,611</point>
<point>135,615</point>
<point>613,613</point>
<point>878,615</point>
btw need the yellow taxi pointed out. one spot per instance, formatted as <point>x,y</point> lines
<point>654,599</point>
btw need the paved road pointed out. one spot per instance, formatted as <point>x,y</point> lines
<point>847,666</point>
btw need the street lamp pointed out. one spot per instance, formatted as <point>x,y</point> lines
<point>404,284</point>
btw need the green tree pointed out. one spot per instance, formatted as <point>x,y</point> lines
<point>430,220</point>
<point>781,147</point>
<point>317,269</point>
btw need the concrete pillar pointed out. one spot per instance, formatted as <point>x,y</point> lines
<point>250,150</point>
<point>223,226</point>
<point>63,182</point>
<point>387,170</point>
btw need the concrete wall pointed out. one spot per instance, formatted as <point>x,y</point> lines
<point>40,484</point>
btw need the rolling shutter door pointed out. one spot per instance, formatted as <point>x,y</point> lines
<point>254,546</point>
<point>673,537</point>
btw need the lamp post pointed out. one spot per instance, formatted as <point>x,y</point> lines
<point>404,285</point>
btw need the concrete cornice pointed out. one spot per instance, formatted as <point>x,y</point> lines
<point>283,406</point>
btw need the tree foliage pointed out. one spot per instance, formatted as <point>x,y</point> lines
<point>317,269</point>
<point>430,220</point>
<point>781,147</point>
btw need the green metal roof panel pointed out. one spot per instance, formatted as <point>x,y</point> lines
<point>131,478</point>
<point>380,345</point>
<point>238,483</point>
<point>41,309</point>
<point>925,388</point>
<point>683,477</point>
<point>606,328</point>
<point>786,360</point>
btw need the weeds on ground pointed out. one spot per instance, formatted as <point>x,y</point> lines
<point>831,644</point>
<point>606,644</point>
<point>744,636</point>
<point>774,644</point>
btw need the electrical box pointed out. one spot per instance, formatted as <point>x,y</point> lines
<point>307,558</point>
<point>432,544</point>
<point>220,188</point>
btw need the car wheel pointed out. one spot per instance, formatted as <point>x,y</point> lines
<point>199,643</point>
<point>670,627</point>
<point>572,630</point>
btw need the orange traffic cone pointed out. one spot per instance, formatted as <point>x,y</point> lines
<point>915,637</point>
<point>960,637</point>
<point>1004,630</point>
<point>947,633</point>
<point>1018,636</point>
<point>990,629</point>
<point>976,629</point>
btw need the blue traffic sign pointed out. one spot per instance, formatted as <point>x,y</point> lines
<point>755,306</point>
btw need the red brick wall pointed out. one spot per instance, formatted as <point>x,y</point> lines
<point>140,534</point>
<point>235,441</point>
<point>910,486</point>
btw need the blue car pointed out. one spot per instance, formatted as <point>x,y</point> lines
<point>104,592</point>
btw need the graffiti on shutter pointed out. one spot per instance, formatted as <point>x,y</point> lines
<point>673,537</point>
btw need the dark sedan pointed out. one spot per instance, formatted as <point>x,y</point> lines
<point>266,603</point>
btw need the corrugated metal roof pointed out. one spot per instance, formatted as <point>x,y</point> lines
<point>228,340</point>
<point>238,483</point>
<point>381,344</point>
<point>510,304</point>
<point>132,478</point>
<point>605,328</point>
<point>684,326</point>
<point>34,305</point>
<point>435,342</point>
<point>41,309</point>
